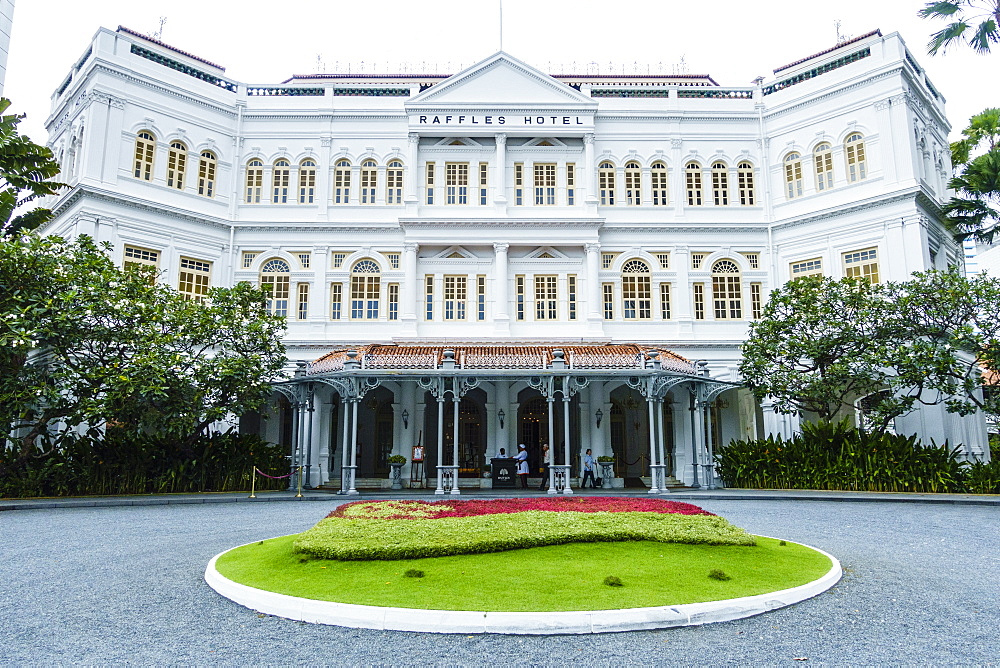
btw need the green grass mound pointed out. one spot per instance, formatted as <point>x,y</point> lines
<point>546,579</point>
<point>366,539</point>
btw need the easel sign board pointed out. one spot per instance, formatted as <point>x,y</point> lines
<point>418,453</point>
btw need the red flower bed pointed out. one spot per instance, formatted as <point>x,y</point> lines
<point>437,509</point>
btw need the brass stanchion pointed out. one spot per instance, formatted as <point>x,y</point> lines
<point>299,495</point>
<point>253,481</point>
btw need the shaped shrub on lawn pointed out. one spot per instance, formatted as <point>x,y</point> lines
<point>410,529</point>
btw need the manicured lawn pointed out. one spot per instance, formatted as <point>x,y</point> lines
<point>550,578</point>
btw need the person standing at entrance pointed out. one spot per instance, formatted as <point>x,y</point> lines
<point>522,465</point>
<point>546,460</point>
<point>588,470</point>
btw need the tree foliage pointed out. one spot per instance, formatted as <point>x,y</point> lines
<point>821,344</point>
<point>84,344</point>
<point>26,172</point>
<point>974,22</point>
<point>974,210</point>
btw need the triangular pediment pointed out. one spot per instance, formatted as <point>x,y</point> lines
<point>455,253</point>
<point>501,77</point>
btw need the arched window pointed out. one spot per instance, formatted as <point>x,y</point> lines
<point>636,298</point>
<point>823,157</point>
<point>307,182</point>
<point>365,290</point>
<point>274,278</point>
<point>279,178</point>
<point>369,179</point>
<point>692,178</point>
<point>633,184</point>
<point>854,149</point>
<point>658,176</point>
<point>342,182</point>
<point>206,174</point>
<point>727,290</point>
<point>145,148</point>
<point>394,183</point>
<point>793,175</point>
<point>744,173</point>
<point>255,181</point>
<point>176,165</point>
<point>606,183</point>
<point>720,183</point>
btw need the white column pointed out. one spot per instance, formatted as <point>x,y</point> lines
<point>589,180</point>
<point>411,284</point>
<point>412,169</point>
<point>345,418</point>
<point>566,449</point>
<point>595,304</point>
<point>354,446</point>
<point>501,304</point>
<point>500,170</point>
<point>456,401</point>
<point>440,448</point>
<point>654,469</point>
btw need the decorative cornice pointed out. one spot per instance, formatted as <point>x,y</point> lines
<point>82,192</point>
<point>586,223</point>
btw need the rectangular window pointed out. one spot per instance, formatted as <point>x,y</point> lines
<point>571,297</point>
<point>813,267</point>
<point>519,292</point>
<point>393,259</point>
<point>664,259</point>
<point>518,184</point>
<point>206,175</point>
<point>665,301</point>
<point>303,303</point>
<point>635,297</point>
<point>193,278</point>
<point>862,264</point>
<point>429,182</point>
<point>278,287</point>
<point>337,259</point>
<point>480,297</point>
<point>248,258</point>
<point>699,301</point>
<point>607,259</point>
<point>658,179</point>
<point>393,291</point>
<point>140,257</point>
<point>697,259</point>
<point>394,183</point>
<point>545,185</point>
<point>454,297</point>
<point>756,305</point>
<point>304,259</point>
<point>369,182</point>
<point>720,186</point>
<point>546,298</point>
<point>336,299</point>
<point>608,290</point>
<point>753,259</point>
<point>280,179</point>
<point>484,170</point>
<point>570,184</point>
<point>429,297</point>
<point>693,179</point>
<point>456,181</point>
<point>727,297</point>
<point>364,297</point>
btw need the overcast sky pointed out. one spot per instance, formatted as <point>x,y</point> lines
<point>266,42</point>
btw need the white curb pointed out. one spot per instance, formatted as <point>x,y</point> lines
<point>521,623</point>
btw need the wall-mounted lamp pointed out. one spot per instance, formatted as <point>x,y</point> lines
<point>501,415</point>
<point>406,419</point>
<point>600,416</point>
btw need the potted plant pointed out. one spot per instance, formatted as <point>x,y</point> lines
<point>396,474</point>
<point>607,464</point>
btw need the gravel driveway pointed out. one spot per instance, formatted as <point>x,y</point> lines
<point>124,585</point>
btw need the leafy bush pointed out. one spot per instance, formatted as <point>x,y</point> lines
<point>983,478</point>
<point>419,510</point>
<point>718,574</point>
<point>361,539</point>
<point>613,581</point>
<point>836,456</point>
<point>396,459</point>
<point>605,459</point>
<point>125,462</point>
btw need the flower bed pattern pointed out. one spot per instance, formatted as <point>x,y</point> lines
<point>414,529</point>
<point>400,510</point>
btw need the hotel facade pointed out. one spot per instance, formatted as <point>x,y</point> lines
<point>504,256</point>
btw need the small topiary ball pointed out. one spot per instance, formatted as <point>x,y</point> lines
<point>613,581</point>
<point>717,574</point>
<point>413,573</point>
<point>782,543</point>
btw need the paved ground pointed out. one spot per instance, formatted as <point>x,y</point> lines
<point>115,585</point>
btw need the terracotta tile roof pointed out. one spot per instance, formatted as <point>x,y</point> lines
<point>157,42</point>
<point>476,356</point>
<point>832,48</point>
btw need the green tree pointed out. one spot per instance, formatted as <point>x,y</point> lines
<point>26,170</point>
<point>84,343</point>
<point>974,210</point>
<point>821,344</point>
<point>973,21</point>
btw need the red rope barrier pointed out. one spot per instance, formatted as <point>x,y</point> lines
<point>276,477</point>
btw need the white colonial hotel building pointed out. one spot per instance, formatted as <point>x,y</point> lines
<point>506,256</point>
